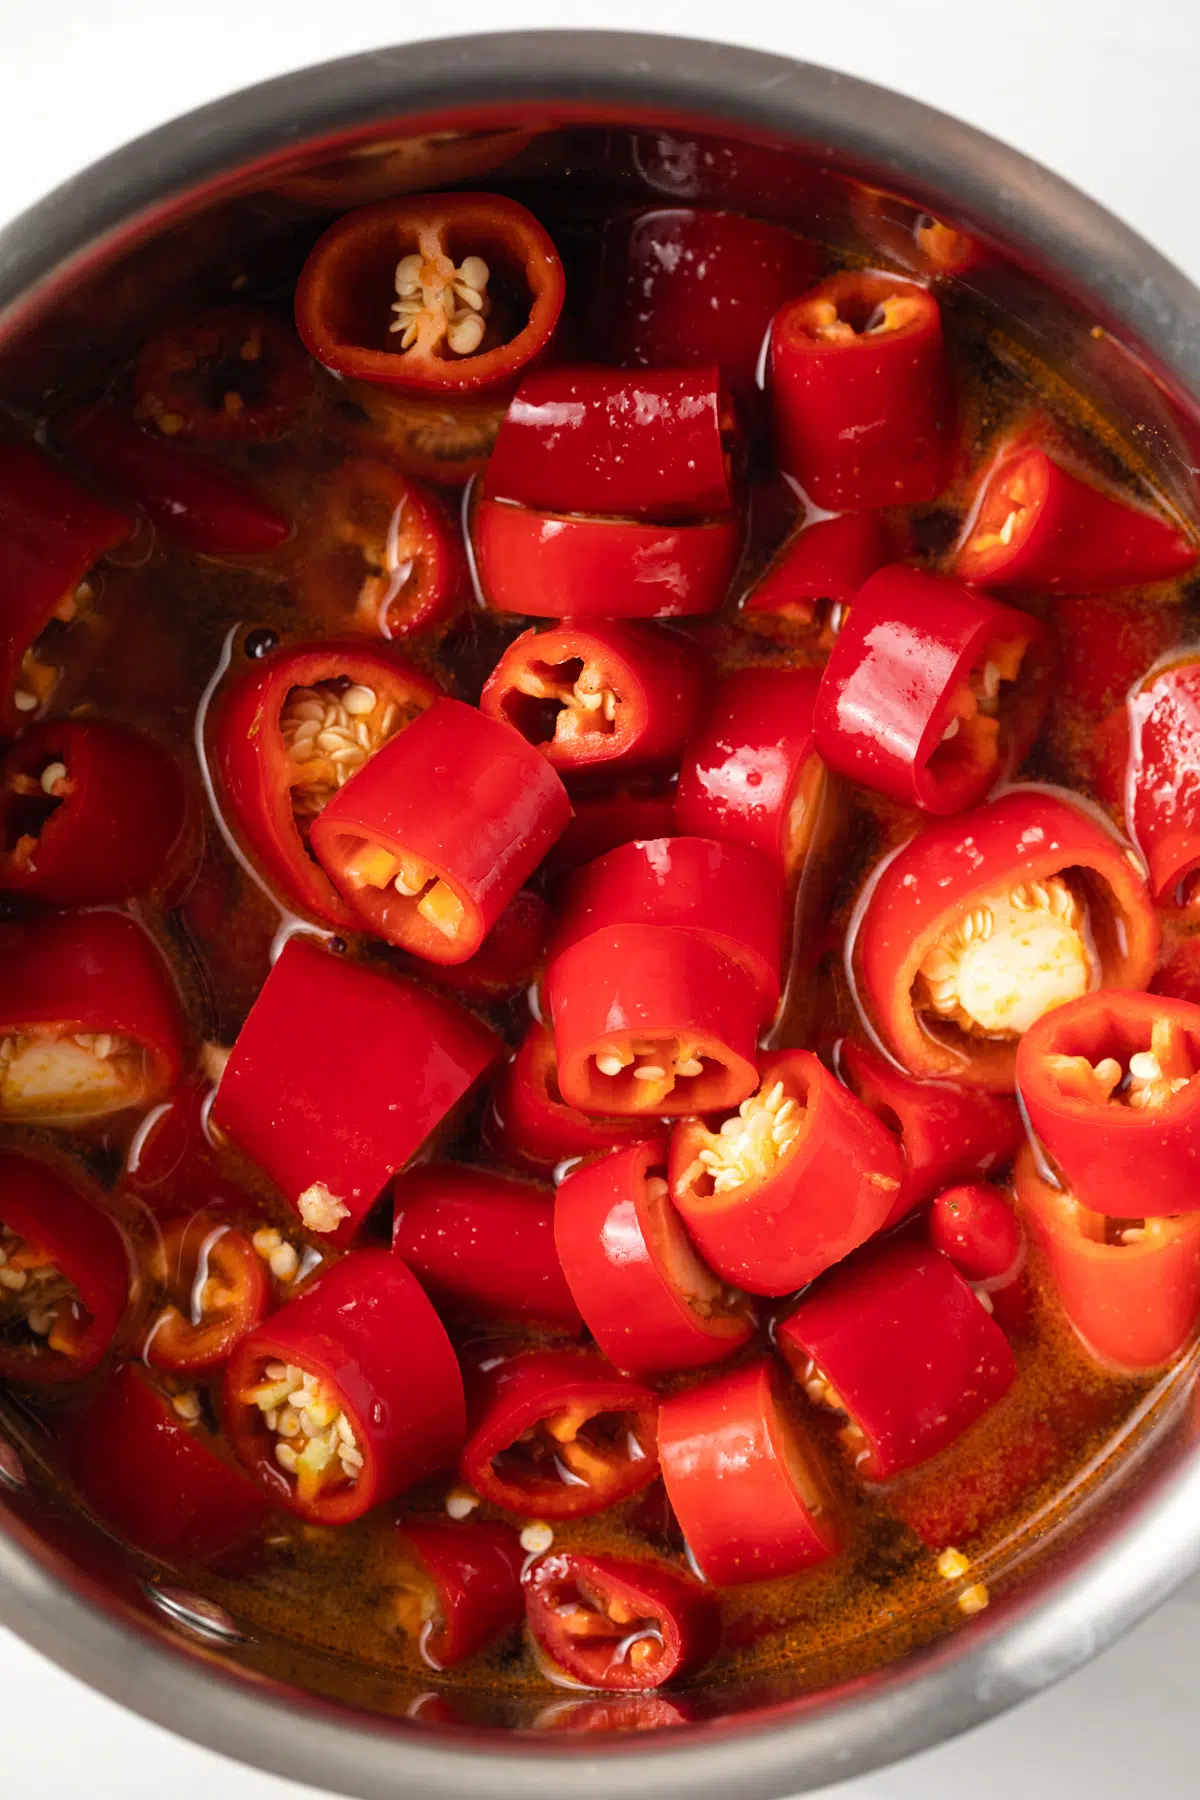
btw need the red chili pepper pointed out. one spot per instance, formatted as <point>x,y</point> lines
<point>173,1166</point>
<point>160,1478</point>
<point>482,1243</point>
<point>1105,643</point>
<point>1162,780</point>
<point>678,286</point>
<point>982,923</point>
<point>746,1482</point>
<point>507,962</point>
<point>330,1131</point>
<point>607,817</point>
<point>818,570</point>
<point>977,1229</point>
<point>191,499</point>
<point>449,293</point>
<point>90,1022</point>
<point>452,1588</point>
<point>657,999</point>
<point>612,1622</point>
<point>861,392</point>
<point>993,1476</point>
<point>727,895</point>
<point>558,1434</point>
<point>899,1342</point>
<point>381,554</point>
<point>1178,974</point>
<point>446,440</point>
<point>1036,525</point>
<point>914,238</point>
<point>434,836</point>
<point>214,1288</point>
<point>239,373</point>
<point>90,811</point>
<point>530,1123</point>
<point>275,775</point>
<point>931,693</point>
<point>548,565</point>
<point>761,179</point>
<point>600,694</point>
<point>646,1297</point>
<point>52,532</point>
<point>796,1178</point>
<point>643,445</point>
<point>347,1395</point>
<point>1129,1286</point>
<point>64,1273</point>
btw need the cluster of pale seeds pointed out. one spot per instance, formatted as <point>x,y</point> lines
<point>313,1433</point>
<point>458,306</point>
<point>752,1140</point>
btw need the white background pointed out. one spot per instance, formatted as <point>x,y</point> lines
<point>1105,92</point>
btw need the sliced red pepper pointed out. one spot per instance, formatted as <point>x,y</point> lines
<point>1162,779</point>
<point>653,1020</point>
<point>558,1434</point>
<point>347,1395</point>
<point>651,444</point>
<point>1037,525</point>
<point>154,1472</point>
<point>912,237</point>
<point>452,1588</point>
<point>898,1342</point>
<point>275,771</point>
<point>861,392</point>
<point>52,532</point>
<point>818,571</point>
<point>1103,645</point>
<point>446,440</point>
<point>645,1295</point>
<point>976,1228</point>
<point>90,1022</point>
<point>190,499</point>
<point>509,959</point>
<point>994,1474</point>
<point>796,1178</point>
<point>482,1243</point>
<point>549,565</point>
<point>172,1163</point>
<point>64,1273</point>
<point>605,817</point>
<point>330,1131</point>
<point>679,286</point>
<point>1129,1286</point>
<point>437,832</point>
<point>1178,974</point>
<point>450,293</point>
<point>745,1480</point>
<point>381,554</point>
<point>90,811</point>
<point>982,923</point>
<point>612,1622</point>
<point>238,373</point>
<point>600,694</point>
<point>530,1123</point>
<point>214,1288</point>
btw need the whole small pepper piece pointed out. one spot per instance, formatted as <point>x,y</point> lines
<point>612,1622</point>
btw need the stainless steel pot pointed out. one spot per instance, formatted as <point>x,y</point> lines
<point>238,184</point>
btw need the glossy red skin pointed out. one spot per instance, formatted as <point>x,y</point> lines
<point>977,1229</point>
<point>1104,644</point>
<point>190,499</point>
<point>909,1348</point>
<point>405,1058</point>
<point>508,960</point>
<point>1178,975</point>
<point>177,373</point>
<point>512,1396</point>
<point>174,1340</point>
<point>1162,778</point>
<point>682,1610</point>
<point>1027,834</point>
<point>822,565</point>
<point>683,286</point>
<point>888,691</point>
<point>171,1164</point>
<point>468,795</point>
<point>65,1220</point>
<point>610,817</point>
<point>366,1330</point>
<point>742,772</point>
<point>157,1483</point>
<point>868,422</point>
<point>831,1190</point>
<point>634,980</point>
<point>474,1568</point>
<point>1114,1158</point>
<point>661,682</point>
<point>724,893</point>
<point>547,565</point>
<point>948,1134</point>
<point>482,1244</point>
<point>116,834</point>
<point>627,1289</point>
<point>636,445</point>
<point>1072,538</point>
<point>530,1124</point>
<point>346,285</point>
<point>51,532</point>
<point>730,1484</point>
<point>252,765</point>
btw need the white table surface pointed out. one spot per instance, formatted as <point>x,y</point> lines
<point>1101,90</point>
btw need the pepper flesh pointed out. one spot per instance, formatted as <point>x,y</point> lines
<point>531,1124</point>
<point>213,1287</point>
<point>453,1587</point>
<point>817,573</point>
<point>237,373</point>
<point>1160,790</point>
<point>612,1622</point>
